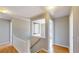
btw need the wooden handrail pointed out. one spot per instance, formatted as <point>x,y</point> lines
<point>35,43</point>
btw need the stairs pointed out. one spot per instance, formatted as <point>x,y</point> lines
<point>37,41</point>
<point>42,51</point>
<point>35,44</point>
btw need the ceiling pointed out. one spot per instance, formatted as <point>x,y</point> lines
<point>26,11</point>
<point>60,11</point>
<point>30,11</point>
<point>22,11</point>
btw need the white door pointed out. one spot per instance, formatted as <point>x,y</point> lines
<point>4,31</point>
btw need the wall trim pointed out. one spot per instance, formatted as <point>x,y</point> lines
<point>61,45</point>
<point>11,40</point>
<point>4,43</point>
<point>71,31</point>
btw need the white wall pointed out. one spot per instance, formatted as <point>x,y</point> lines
<point>21,34</point>
<point>62,31</point>
<point>71,30</point>
<point>75,29</point>
<point>43,30</point>
<point>51,35</point>
<point>4,31</point>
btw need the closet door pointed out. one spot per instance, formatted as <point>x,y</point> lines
<point>4,31</point>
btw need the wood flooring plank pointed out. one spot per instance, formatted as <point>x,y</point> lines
<point>60,49</point>
<point>8,49</point>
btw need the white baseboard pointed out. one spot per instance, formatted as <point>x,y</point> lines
<point>61,45</point>
<point>4,43</point>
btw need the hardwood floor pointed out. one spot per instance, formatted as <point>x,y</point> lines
<point>59,49</point>
<point>8,49</point>
<point>11,49</point>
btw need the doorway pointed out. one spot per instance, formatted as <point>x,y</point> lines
<point>61,35</point>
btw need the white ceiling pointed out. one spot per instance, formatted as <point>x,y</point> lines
<point>26,11</point>
<point>23,11</point>
<point>60,11</point>
<point>30,11</point>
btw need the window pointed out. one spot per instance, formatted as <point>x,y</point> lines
<point>36,28</point>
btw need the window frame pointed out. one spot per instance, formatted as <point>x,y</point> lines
<point>34,24</point>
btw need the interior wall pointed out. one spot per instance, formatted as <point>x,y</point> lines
<point>43,30</point>
<point>21,35</point>
<point>51,35</point>
<point>75,29</point>
<point>71,30</point>
<point>62,31</point>
<point>4,31</point>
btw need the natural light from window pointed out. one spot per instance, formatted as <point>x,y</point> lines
<point>38,27</point>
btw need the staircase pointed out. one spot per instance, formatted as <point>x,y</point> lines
<point>34,43</point>
<point>42,51</point>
